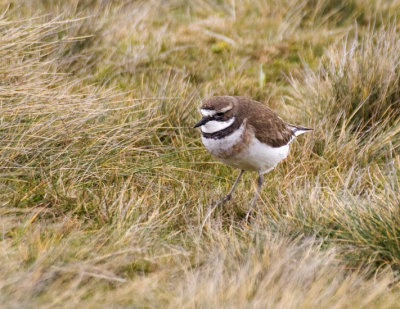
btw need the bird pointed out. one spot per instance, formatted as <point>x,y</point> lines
<point>245,134</point>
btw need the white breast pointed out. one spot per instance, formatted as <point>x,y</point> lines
<point>220,146</point>
<point>257,156</point>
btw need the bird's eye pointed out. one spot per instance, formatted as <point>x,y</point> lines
<point>219,114</point>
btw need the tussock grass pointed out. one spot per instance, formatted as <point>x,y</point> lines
<point>105,190</point>
<point>357,81</point>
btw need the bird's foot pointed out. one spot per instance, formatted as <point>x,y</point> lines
<point>222,201</point>
<point>249,216</point>
<point>226,198</point>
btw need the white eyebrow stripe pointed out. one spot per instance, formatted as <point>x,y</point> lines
<point>207,112</point>
<point>215,126</point>
<point>225,109</point>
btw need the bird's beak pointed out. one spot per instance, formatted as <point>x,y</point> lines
<point>202,122</point>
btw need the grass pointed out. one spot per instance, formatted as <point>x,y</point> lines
<point>105,188</point>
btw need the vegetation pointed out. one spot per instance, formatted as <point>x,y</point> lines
<point>106,190</point>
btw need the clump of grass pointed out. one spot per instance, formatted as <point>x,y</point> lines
<point>274,272</point>
<point>354,97</point>
<point>357,82</point>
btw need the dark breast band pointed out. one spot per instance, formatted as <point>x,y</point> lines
<point>225,132</point>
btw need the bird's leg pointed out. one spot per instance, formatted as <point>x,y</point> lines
<point>253,203</point>
<point>221,202</point>
<point>229,195</point>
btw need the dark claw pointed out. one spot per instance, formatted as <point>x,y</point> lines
<point>227,198</point>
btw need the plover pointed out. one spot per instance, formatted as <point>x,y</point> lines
<point>245,134</point>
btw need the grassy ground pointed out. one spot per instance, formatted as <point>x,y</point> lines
<point>105,188</point>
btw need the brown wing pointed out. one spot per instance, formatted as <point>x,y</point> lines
<point>269,128</point>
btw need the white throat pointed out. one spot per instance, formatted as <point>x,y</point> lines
<point>214,126</point>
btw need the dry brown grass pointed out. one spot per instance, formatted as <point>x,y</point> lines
<point>105,188</point>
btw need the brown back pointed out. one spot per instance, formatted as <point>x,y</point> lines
<point>268,127</point>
